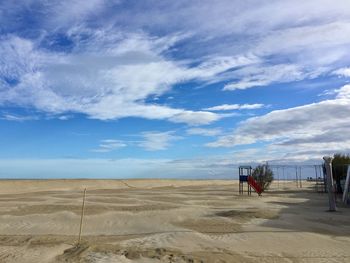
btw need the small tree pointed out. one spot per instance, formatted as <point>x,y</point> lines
<point>263,175</point>
<point>340,168</point>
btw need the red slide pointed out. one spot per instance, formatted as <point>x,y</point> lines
<point>254,185</point>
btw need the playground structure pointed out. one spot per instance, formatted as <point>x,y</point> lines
<point>245,176</point>
<point>298,173</point>
<point>284,173</point>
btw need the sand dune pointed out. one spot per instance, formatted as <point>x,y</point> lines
<point>168,221</point>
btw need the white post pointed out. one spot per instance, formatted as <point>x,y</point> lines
<point>330,186</point>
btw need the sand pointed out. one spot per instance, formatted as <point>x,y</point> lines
<point>168,221</point>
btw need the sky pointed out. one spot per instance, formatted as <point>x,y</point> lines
<point>181,89</point>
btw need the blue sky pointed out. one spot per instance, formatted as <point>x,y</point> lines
<point>100,88</point>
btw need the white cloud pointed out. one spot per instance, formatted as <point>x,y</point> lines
<point>224,107</point>
<point>19,118</point>
<point>253,155</point>
<point>109,73</point>
<point>344,92</point>
<point>109,145</point>
<point>300,43</point>
<point>263,75</point>
<point>52,15</point>
<point>64,117</point>
<point>109,79</point>
<point>305,37</point>
<point>155,141</point>
<point>204,131</point>
<point>317,127</point>
<point>343,72</point>
<point>233,16</point>
<point>197,117</point>
<point>328,92</point>
<point>67,12</point>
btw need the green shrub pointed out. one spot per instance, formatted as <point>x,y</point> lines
<point>263,175</point>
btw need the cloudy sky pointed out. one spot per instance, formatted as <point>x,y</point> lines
<point>98,88</point>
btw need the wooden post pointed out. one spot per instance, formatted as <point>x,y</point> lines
<point>296,176</point>
<point>330,186</point>
<point>301,186</point>
<point>82,217</point>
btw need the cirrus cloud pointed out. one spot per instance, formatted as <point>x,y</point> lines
<point>224,107</point>
<point>109,145</point>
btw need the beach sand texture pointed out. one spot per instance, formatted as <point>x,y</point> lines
<point>168,221</point>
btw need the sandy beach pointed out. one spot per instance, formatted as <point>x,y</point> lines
<point>168,221</point>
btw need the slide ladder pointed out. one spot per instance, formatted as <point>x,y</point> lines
<point>254,185</point>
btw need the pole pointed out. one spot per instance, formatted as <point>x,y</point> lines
<point>316,179</point>
<point>324,180</point>
<point>330,186</point>
<point>346,187</point>
<point>82,217</point>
